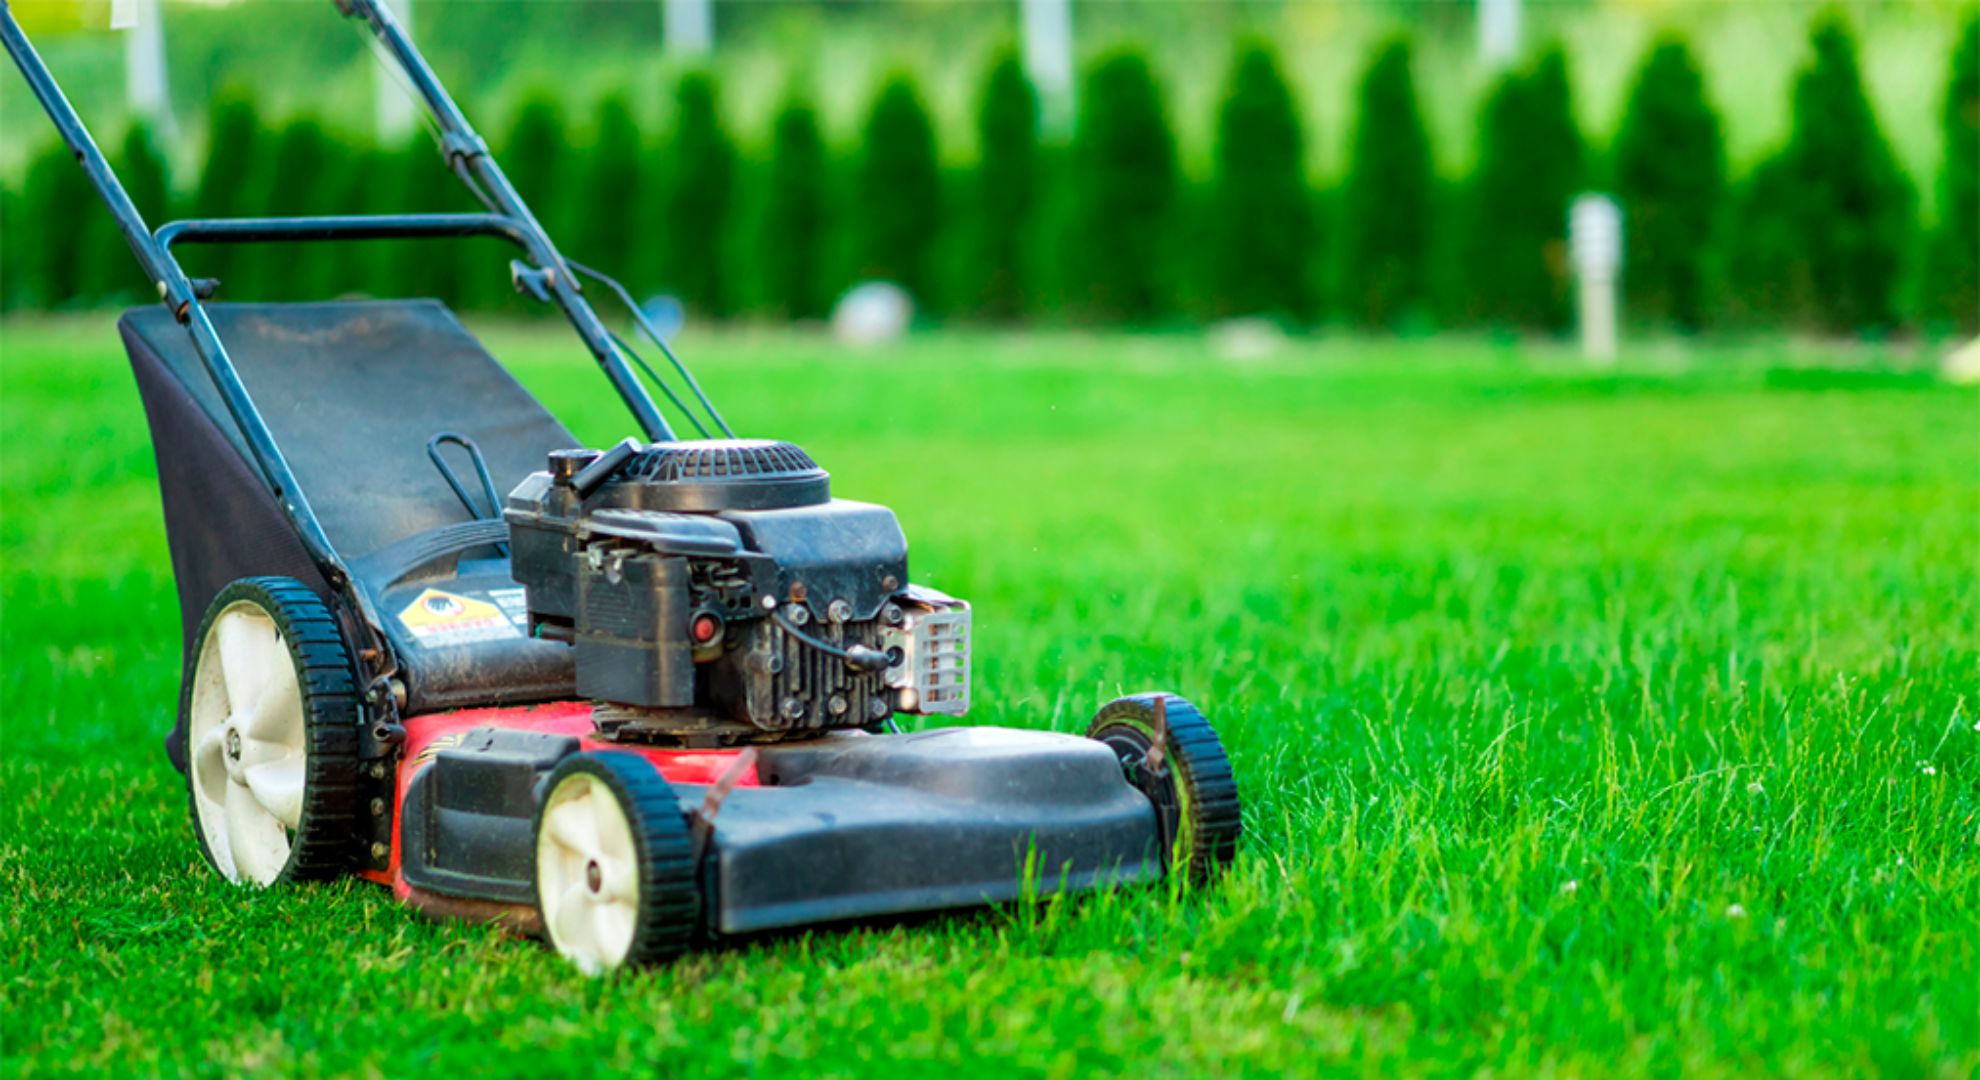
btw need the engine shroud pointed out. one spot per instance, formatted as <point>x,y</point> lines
<point>698,583</point>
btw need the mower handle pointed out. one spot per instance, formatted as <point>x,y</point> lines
<point>325,227</point>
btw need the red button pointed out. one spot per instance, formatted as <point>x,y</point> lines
<point>705,628</point>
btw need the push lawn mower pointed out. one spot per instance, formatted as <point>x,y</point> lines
<point>645,699</point>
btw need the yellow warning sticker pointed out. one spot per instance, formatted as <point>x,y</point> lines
<point>440,742</point>
<point>444,618</point>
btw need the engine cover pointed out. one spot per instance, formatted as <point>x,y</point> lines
<point>716,592</point>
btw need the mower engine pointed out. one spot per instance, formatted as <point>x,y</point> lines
<point>716,593</point>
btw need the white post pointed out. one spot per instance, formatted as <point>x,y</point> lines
<point>689,26</point>
<point>1498,30</point>
<point>146,87</point>
<point>1048,60</point>
<point>1595,248</point>
<point>396,113</point>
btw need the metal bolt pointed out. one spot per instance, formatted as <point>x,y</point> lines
<point>837,704</point>
<point>797,613</point>
<point>839,611</point>
<point>793,708</point>
<point>797,590</point>
<point>876,708</point>
<point>377,770</point>
<point>893,614</point>
<point>890,582</point>
<point>379,851</point>
<point>378,808</point>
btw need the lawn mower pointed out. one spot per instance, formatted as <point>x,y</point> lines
<point>636,699</point>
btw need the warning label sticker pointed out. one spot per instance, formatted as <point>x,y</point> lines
<point>514,603</point>
<point>444,618</point>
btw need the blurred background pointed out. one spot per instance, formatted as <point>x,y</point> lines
<point>1382,167</point>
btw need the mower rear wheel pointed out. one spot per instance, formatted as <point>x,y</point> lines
<point>1171,754</point>
<point>272,735</point>
<point>615,865</point>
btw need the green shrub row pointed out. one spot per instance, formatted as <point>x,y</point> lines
<point>1822,235</point>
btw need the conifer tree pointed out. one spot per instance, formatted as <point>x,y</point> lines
<point>1952,293</point>
<point>535,156</point>
<point>1006,185</point>
<point>1262,223</point>
<point>608,231</point>
<point>58,200</point>
<point>1670,167</point>
<point>1124,168</point>
<point>354,185</point>
<point>412,178</point>
<point>111,274</point>
<point>899,191</point>
<point>1852,205</point>
<point>1529,167</point>
<point>298,179</point>
<point>796,216</point>
<point>1764,286</point>
<point>13,252</point>
<point>1388,202</point>
<point>699,177</point>
<point>228,182</point>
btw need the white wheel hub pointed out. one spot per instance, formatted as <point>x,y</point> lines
<point>247,736</point>
<point>587,877</point>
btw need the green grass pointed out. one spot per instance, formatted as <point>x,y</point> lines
<point>1587,723</point>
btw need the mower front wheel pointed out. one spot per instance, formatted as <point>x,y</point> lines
<point>1171,754</point>
<point>615,864</point>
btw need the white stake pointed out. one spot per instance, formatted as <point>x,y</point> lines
<point>1048,60</point>
<point>1595,248</point>
<point>145,82</point>
<point>689,26</point>
<point>1498,30</point>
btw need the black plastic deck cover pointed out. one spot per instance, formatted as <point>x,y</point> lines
<point>351,391</point>
<point>858,826</point>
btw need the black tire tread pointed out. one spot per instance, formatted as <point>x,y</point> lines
<point>326,834</point>
<point>1197,758</point>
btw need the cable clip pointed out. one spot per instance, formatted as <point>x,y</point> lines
<point>460,146</point>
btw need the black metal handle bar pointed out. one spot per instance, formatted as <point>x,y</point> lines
<point>366,227</point>
<point>177,293</point>
<point>467,155</point>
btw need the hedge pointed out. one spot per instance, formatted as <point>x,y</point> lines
<point>1006,188</point>
<point>1264,245</point>
<point>897,199</point>
<point>1952,291</point>
<point>696,191</point>
<point>1124,172</point>
<point>1105,226</point>
<point>1530,162</point>
<point>1388,198</point>
<point>1670,172</point>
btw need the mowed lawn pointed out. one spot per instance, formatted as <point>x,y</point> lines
<point>1587,724</point>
